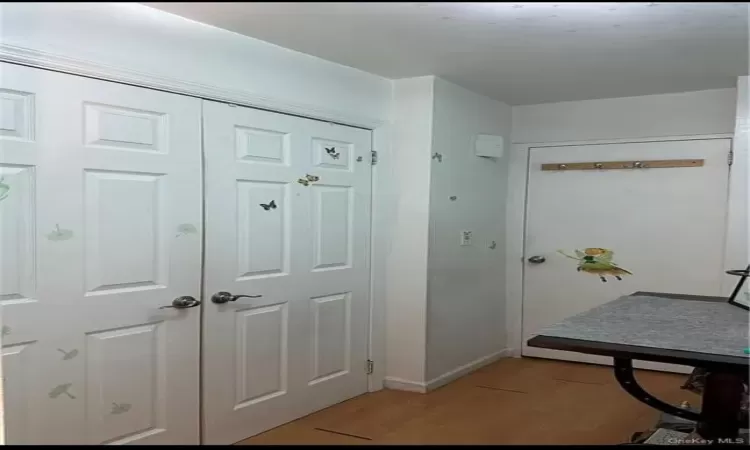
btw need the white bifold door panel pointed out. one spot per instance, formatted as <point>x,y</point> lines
<point>665,225</point>
<point>287,212</point>
<point>100,226</point>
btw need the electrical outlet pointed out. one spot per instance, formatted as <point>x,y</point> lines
<point>465,238</point>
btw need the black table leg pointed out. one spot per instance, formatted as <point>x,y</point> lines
<point>626,378</point>
<point>720,413</point>
<point>719,419</point>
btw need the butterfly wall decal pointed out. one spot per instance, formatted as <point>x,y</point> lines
<point>269,206</point>
<point>332,152</point>
<point>68,355</point>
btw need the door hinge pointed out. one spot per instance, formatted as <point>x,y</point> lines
<point>373,157</point>
<point>730,157</point>
<point>369,367</point>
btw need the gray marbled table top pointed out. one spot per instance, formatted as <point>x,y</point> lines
<point>672,323</point>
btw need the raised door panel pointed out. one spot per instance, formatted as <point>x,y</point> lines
<point>125,241</point>
<point>331,226</point>
<point>125,373</point>
<point>122,128</point>
<point>261,355</point>
<point>262,229</point>
<point>254,145</point>
<point>17,379</point>
<point>17,116</point>
<point>331,337</point>
<point>17,238</point>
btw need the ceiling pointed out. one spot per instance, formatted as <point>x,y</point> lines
<point>520,53</point>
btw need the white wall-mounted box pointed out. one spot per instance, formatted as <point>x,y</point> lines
<point>489,146</point>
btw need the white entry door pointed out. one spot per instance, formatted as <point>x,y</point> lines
<point>100,226</point>
<point>665,225</point>
<point>288,219</point>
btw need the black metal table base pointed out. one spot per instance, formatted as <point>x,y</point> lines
<point>720,411</point>
<point>719,419</point>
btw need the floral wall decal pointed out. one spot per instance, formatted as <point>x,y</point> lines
<point>308,179</point>
<point>59,234</point>
<point>68,355</point>
<point>493,245</point>
<point>186,228</point>
<point>4,190</point>
<point>120,408</point>
<point>438,156</point>
<point>62,389</point>
<point>597,261</point>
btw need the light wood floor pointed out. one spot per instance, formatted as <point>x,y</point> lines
<point>513,401</point>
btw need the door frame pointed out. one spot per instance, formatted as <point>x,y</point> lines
<point>736,242</point>
<point>381,142</point>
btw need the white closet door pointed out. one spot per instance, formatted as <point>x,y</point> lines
<point>287,218</point>
<point>100,226</point>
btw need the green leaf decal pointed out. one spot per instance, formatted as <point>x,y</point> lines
<point>4,190</point>
<point>59,234</point>
<point>61,389</point>
<point>120,408</point>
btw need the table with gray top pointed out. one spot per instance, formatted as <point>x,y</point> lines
<point>691,330</point>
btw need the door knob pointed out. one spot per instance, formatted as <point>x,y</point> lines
<point>224,297</point>
<point>183,303</point>
<point>537,259</point>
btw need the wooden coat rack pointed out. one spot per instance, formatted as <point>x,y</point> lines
<point>620,165</point>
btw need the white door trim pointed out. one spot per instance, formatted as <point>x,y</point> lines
<point>736,248</point>
<point>45,60</point>
<point>381,141</point>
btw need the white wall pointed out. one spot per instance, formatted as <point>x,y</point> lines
<point>688,113</point>
<point>446,311</point>
<point>406,263</point>
<point>141,39</point>
<point>742,158</point>
<point>466,299</point>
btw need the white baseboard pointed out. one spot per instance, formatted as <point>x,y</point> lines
<point>458,372</point>
<point>399,384</point>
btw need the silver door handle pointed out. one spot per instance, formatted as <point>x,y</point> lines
<point>225,297</point>
<point>537,259</point>
<point>183,303</point>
